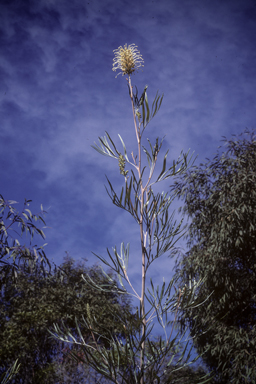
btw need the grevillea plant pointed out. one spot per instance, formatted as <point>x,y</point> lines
<point>138,356</point>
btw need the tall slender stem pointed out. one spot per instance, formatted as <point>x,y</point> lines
<point>143,274</point>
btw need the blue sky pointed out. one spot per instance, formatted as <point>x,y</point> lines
<point>58,93</point>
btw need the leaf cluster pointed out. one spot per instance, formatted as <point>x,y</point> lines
<point>13,225</point>
<point>220,201</point>
<point>36,301</point>
<point>118,358</point>
<point>10,373</point>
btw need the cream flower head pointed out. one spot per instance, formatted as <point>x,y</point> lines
<point>128,59</point>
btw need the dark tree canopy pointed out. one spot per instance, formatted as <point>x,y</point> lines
<point>220,201</point>
<point>34,295</point>
<point>35,302</point>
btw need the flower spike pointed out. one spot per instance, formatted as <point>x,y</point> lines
<point>128,59</point>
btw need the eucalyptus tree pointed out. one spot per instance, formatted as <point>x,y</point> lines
<point>36,301</point>
<point>14,248</point>
<point>220,200</point>
<point>138,358</point>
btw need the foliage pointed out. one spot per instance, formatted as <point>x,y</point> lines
<point>69,371</point>
<point>138,358</point>
<point>10,373</point>
<point>36,301</point>
<point>220,201</point>
<point>13,252</point>
<point>186,375</point>
<point>13,223</point>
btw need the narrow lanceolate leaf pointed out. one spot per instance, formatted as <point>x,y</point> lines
<point>105,148</point>
<point>157,104</point>
<point>164,167</point>
<point>125,152</point>
<point>141,101</point>
<point>149,159</point>
<point>144,105</point>
<point>124,201</point>
<point>10,373</point>
<point>179,166</point>
<point>143,114</point>
<point>147,108</point>
<point>112,142</point>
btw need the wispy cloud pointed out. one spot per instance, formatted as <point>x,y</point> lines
<point>58,94</point>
